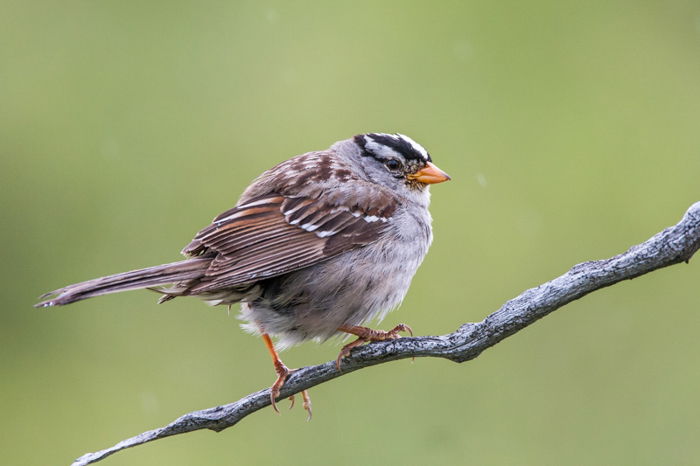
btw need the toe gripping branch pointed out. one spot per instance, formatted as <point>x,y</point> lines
<point>367,335</point>
<point>363,334</point>
<point>283,372</point>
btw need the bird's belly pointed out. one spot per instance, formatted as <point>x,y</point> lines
<point>351,289</point>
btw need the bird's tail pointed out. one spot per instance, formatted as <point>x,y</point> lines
<point>157,276</point>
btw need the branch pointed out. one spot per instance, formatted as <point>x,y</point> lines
<point>673,245</point>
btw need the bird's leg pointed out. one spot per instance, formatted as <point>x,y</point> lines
<point>366,335</point>
<point>281,370</point>
<point>282,374</point>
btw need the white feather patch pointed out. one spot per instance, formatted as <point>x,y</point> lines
<point>231,217</point>
<point>254,203</point>
<point>387,152</point>
<point>380,149</point>
<point>291,211</point>
<point>309,227</point>
<point>415,145</point>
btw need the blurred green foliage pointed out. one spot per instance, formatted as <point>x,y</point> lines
<point>571,133</point>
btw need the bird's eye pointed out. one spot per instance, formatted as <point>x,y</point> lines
<point>392,164</point>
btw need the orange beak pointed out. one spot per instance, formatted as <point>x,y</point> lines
<point>431,174</point>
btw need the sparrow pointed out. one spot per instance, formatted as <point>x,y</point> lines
<point>314,248</point>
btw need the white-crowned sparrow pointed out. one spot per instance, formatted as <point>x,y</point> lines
<point>315,246</point>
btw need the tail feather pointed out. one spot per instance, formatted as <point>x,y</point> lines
<point>159,275</point>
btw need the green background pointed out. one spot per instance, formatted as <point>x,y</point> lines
<point>570,130</point>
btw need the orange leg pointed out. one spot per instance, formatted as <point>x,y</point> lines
<point>282,374</point>
<point>366,335</point>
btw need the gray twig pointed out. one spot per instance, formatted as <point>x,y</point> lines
<point>671,246</point>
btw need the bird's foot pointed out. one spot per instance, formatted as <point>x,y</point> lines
<point>367,335</point>
<point>283,373</point>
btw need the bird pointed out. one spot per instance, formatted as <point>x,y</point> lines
<point>314,248</point>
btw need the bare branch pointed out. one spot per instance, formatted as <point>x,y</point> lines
<point>673,245</point>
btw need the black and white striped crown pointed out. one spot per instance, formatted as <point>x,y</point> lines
<point>384,146</point>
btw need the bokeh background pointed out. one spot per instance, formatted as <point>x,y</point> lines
<point>570,130</point>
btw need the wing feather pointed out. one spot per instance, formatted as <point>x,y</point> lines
<point>274,234</point>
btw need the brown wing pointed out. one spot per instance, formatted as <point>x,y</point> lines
<point>274,234</point>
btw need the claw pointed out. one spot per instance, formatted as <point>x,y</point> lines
<point>345,350</point>
<point>367,335</point>
<point>282,374</point>
<point>403,328</point>
<point>307,404</point>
